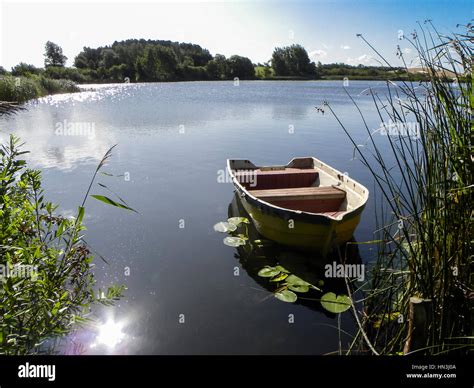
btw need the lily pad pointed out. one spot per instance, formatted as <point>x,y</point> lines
<point>335,304</point>
<point>234,241</point>
<point>282,269</point>
<point>224,227</point>
<point>280,277</point>
<point>298,288</point>
<point>286,296</point>
<point>295,280</point>
<point>268,272</point>
<point>238,220</point>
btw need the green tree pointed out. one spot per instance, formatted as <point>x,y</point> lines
<point>109,58</point>
<point>217,68</point>
<point>167,62</point>
<point>117,72</point>
<point>292,61</point>
<point>241,67</point>
<point>25,69</point>
<point>88,58</point>
<point>54,55</point>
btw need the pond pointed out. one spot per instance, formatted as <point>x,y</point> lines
<point>188,293</point>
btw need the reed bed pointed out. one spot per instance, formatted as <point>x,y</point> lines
<point>419,296</point>
<point>22,89</point>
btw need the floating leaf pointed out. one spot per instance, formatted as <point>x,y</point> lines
<point>280,277</point>
<point>286,296</point>
<point>224,227</point>
<point>335,304</point>
<point>298,288</point>
<point>238,220</point>
<point>234,241</point>
<point>282,269</point>
<point>295,280</point>
<point>268,272</point>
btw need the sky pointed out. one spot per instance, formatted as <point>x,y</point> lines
<point>327,29</point>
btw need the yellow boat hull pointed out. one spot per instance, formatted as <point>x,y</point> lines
<point>320,235</point>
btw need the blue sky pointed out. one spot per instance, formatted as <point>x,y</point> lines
<point>327,29</point>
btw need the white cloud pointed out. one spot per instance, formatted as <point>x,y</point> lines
<point>407,50</point>
<point>345,47</point>
<point>325,46</point>
<point>364,59</point>
<point>318,54</point>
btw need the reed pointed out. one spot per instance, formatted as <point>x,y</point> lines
<point>22,89</point>
<point>419,296</point>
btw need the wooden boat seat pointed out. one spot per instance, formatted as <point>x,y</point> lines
<point>326,199</point>
<point>276,179</point>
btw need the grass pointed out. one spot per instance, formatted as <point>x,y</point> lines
<point>424,194</point>
<point>22,89</point>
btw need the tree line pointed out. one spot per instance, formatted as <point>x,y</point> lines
<point>140,60</point>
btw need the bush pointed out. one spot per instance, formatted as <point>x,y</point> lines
<point>22,89</point>
<point>46,278</point>
<point>24,69</point>
<point>19,89</point>
<point>55,86</point>
<point>69,73</point>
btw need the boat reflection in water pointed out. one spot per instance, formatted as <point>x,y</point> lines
<point>310,267</point>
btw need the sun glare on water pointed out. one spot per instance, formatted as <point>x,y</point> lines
<point>110,334</point>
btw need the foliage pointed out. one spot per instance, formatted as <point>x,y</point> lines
<point>425,183</point>
<point>286,284</point>
<point>22,89</point>
<point>55,294</point>
<point>53,55</point>
<point>19,89</point>
<point>24,69</point>
<point>158,60</point>
<point>69,73</point>
<point>217,68</point>
<point>240,67</point>
<point>292,61</point>
<point>264,72</point>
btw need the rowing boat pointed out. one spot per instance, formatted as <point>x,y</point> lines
<point>305,204</point>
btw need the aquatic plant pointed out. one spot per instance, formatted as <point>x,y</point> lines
<point>287,285</point>
<point>419,296</point>
<point>22,89</point>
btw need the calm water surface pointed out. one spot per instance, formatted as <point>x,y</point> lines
<point>173,140</point>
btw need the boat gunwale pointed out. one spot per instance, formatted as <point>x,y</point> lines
<point>341,217</point>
